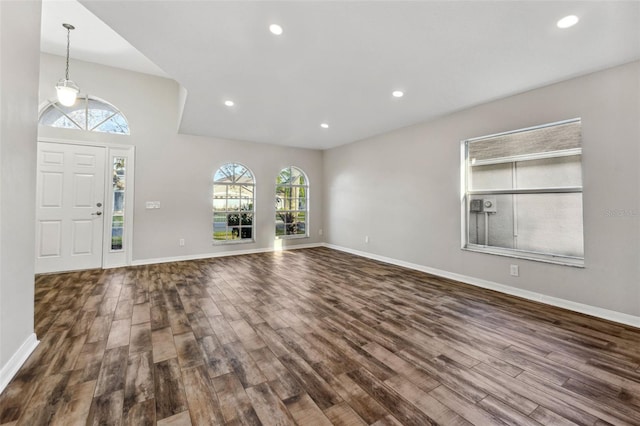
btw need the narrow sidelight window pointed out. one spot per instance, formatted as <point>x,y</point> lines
<point>117,213</point>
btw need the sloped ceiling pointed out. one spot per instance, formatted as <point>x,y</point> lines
<point>338,62</point>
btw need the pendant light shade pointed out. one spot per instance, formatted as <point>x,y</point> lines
<point>66,89</point>
<point>67,92</point>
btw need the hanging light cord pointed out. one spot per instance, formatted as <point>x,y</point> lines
<point>66,89</point>
<point>67,69</point>
<point>69,27</point>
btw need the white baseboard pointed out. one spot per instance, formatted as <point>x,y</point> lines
<point>15,362</point>
<point>221,254</point>
<point>595,311</point>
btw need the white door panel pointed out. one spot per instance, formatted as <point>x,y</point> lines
<point>82,237</point>
<point>83,190</point>
<point>82,160</point>
<point>70,186</point>
<point>51,238</point>
<point>52,183</point>
<point>52,158</point>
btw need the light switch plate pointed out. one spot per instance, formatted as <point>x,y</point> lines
<point>514,270</point>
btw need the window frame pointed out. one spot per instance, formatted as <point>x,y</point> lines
<point>239,212</point>
<point>306,187</point>
<point>118,186</point>
<point>84,126</point>
<point>467,194</point>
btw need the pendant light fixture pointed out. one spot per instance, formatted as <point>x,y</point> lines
<point>67,90</point>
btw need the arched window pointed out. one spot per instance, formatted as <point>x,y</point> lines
<point>87,113</point>
<point>292,203</point>
<point>233,200</point>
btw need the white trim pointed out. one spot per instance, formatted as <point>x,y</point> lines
<point>130,153</point>
<point>85,142</point>
<point>110,258</point>
<point>15,362</point>
<point>595,311</point>
<point>528,157</point>
<point>292,236</point>
<point>576,262</point>
<point>221,254</point>
<point>86,98</point>
<point>526,129</point>
<point>549,190</point>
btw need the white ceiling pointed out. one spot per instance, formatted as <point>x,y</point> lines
<point>338,61</point>
<point>92,40</point>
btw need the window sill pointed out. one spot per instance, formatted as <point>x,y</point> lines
<point>290,237</point>
<point>575,262</point>
<point>232,242</point>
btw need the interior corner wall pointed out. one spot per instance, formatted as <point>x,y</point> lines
<point>402,190</point>
<point>177,170</point>
<point>19,64</point>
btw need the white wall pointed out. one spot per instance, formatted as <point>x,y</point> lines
<point>19,50</point>
<point>402,189</point>
<point>177,169</point>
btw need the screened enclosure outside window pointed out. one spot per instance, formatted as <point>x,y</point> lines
<point>292,206</point>
<point>523,193</point>
<point>86,114</point>
<point>233,204</point>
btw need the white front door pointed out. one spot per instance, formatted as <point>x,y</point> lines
<point>69,207</point>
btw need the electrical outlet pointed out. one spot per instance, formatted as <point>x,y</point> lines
<point>320,231</point>
<point>181,242</point>
<point>514,270</point>
<point>366,239</point>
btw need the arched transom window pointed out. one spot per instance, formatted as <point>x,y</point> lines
<point>233,201</point>
<point>87,113</point>
<point>292,203</point>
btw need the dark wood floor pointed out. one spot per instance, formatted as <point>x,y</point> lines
<point>313,337</point>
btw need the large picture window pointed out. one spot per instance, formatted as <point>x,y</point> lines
<point>292,206</point>
<point>523,193</point>
<point>233,203</point>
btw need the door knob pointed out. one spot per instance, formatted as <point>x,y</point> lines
<point>96,213</point>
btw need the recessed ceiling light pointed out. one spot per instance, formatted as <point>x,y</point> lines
<point>275,29</point>
<point>229,103</point>
<point>398,93</point>
<point>324,125</point>
<point>567,21</point>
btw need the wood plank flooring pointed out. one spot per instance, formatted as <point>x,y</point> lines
<point>312,337</point>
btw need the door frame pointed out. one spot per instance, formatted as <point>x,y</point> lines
<point>111,258</point>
